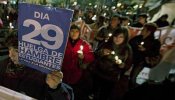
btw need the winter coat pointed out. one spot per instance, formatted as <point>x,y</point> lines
<point>137,24</point>
<point>151,45</point>
<point>70,67</point>
<point>105,65</point>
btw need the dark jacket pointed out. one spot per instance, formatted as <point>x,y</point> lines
<point>137,24</point>
<point>32,83</point>
<point>106,66</point>
<point>151,45</point>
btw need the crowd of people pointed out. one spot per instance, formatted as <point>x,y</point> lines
<point>105,69</point>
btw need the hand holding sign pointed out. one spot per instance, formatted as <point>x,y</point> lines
<point>54,78</point>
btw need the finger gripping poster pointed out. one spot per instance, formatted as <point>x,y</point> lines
<point>42,36</point>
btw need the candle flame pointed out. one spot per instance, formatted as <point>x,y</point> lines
<point>110,34</point>
<point>142,43</point>
<point>113,52</point>
<point>116,57</point>
<point>81,47</point>
<point>120,61</point>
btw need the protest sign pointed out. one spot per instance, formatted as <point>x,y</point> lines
<point>42,36</point>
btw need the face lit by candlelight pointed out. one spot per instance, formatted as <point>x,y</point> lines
<point>74,34</point>
<point>114,22</point>
<point>145,33</point>
<point>119,39</point>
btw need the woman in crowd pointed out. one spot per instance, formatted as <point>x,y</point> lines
<point>29,81</point>
<point>113,60</point>
<point>161,83</point>
<point>146,51</point>
<point>78,53</point>
<point>106,32</point>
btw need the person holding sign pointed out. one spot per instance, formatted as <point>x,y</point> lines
<point>78,53</point>
<point>32,82</point>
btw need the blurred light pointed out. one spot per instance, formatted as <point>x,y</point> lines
<point>129,12</point>
<point>4,2</point>
<point>116,57</point>
<point>105,7</point>
<point>90,4</point>
<point>122,6</point>
<point>140,6</point>
<point>110,34</point>
<point>136,6</point>
<point>113,52</point>
<point>95,6</point>
<point>10,25</point>
<point>75,3</point>
<point>113,7</point>
<point>7,17</point>
<point>119,4</point>
<point>104,14</point>
<point>14,2</point>
<point>94,17</point>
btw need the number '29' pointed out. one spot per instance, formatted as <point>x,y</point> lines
<point>43,30</point>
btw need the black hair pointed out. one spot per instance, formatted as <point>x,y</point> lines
<point>152,27</point>
<point>144,15</point>
<point>11,41</point>
<point>124,31</point>
<point>74,27</point>
<point>116,15</point>
<point>164,16</point>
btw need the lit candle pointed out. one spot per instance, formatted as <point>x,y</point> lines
<point>116,57</point>
<point>142,43</point>
<point>7,17</point>
<point>119,61</point>
<point>79,18</point>
<point>10,25</point>
<point>81,49</point>
<point>113,52</point>
<point>110,34</point>
<point>104,14</point>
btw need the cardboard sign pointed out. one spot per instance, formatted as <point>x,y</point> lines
<point>42,36</point>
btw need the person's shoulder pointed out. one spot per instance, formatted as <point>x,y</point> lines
<point>66,86</point>
<point>67,89</point>
<point>136,38</point>
<point>103,28</point>
<point>137,24</point>
<point>157,42</point>
<point>84,42</point>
